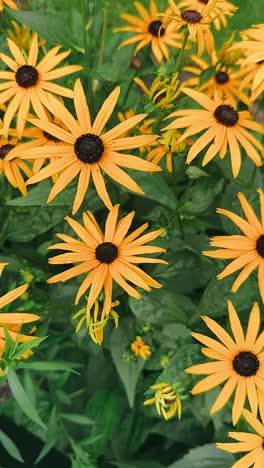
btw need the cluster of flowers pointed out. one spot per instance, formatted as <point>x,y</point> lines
<point>76,147</point>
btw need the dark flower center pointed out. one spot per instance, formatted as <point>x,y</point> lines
<point>221,77</point>
<point>50,137</point>
<point>246,364</point>
<point>106,252</point>
<point>156,28</point>
<point>89,148</point>
<point>27,76</point>
<point>4,150</point>
<point>260,245</point>
<point>99,313</point>
<point>191,16</point>
<point>204,1</point>
<point>226,115</point>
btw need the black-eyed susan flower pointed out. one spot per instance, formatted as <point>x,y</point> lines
<point>22,36</point>
<point>225,84</point>
<point>149,29</point>
<point>107,257</point>
<point>218,14</point>
<point>253,46</point>
<point>247,250</point>
<point>26,81</point>
<point>222,126</point>
<point>96,318</point>
<point>13,321</point>
<point>238,361</point>
<point>87,152</point>
<point>166,401</point>
<point>9,3</point>
<point>247,442</point>
<point>15,169</point>
<point>197,23</point>
<point>163,91</point>
<point>140,348</point>
<point>165,146</point>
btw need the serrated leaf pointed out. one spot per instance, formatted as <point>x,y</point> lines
<point>10,447</point>
<point>199,195</point>
<point>162,306</point>
<point>22,398</point>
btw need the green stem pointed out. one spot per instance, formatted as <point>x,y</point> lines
<point>103,38</point>
<point>181,52</point>
<point>253,176</point>
<point>134,76</point>
<point>86,53</point>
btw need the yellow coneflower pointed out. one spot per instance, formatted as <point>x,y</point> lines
<point>253,44</point>
<point>13,321</point>
<point>149,29</point>
<point>247,250</point>
<point>96,318</point>
<point>26,82</point>
<point>198,23</point>
<point>247,442</point>
<point>222,8</point>
<point>140,348</point>
<point>87,152</point>
<point>166,401</point>
<point>9,3</point>
<point>107,257</point>
<point>239,362</point>
<point>163,91</point>
<point>22,36</point>
<point>225,128</point>
<point>225,85</point>
<point>11,148</point>
<point>167,145</point>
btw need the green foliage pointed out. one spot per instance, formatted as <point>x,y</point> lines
<point>205,456</point>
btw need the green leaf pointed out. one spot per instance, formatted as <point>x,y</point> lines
<point>155,188</point>
<point>52,436</point>
<point>27,346</point>
<point>162,306</point>
<point>207,74</point>
<point>129,371</point>
<point>26,223</point>
<point>194,172</point>
<point>199,195</point>
<point>103,409</point>
<point>217,293</point>
<point>206,456</point>
<point>77,419</point>
<point>48,366</point>
<point>22,398</point>
<point>10,344</point>
<point>49,26</point>
<point>10,447</point>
